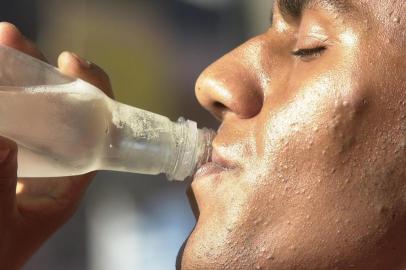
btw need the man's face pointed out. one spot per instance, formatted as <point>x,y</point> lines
<point>309,167</point>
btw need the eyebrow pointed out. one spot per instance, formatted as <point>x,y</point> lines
<point>295,8</point>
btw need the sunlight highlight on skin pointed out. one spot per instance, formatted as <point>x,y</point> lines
<point>281,26</point>
<point>349,38</point>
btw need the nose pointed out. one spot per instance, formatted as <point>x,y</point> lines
<point>232,84</point>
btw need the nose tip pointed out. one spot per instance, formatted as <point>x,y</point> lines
<point>229,87</point>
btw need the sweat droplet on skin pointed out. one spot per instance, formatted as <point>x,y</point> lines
<point>396,20</point>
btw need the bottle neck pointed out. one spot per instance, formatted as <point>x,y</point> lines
<point>143,142</point>
<point>193,148</point>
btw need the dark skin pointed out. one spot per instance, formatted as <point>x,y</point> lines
<point>309,163</point>
<point>313,134</point>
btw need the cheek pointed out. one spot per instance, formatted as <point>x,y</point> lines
<point>312,130</point>
<point>323,196</point>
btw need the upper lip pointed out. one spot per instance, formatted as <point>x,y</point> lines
<point>220,160</point>
<point>216,163</point>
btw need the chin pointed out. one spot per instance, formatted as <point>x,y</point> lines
<point>193,255</point>
<point>210,247</point>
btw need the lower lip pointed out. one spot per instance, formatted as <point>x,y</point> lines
<point>208,169</point>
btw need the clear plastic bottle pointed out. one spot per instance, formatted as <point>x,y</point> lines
<point>65,126</point>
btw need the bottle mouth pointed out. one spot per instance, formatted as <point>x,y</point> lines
<point>194,150</point>
<point>207,137</point>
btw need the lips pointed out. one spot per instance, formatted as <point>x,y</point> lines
<point>216,165</point>
<point>209,169</point>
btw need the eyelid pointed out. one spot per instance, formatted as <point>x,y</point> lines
<point>317,36</point>
<point>311,41</point>
<point>311,32</point>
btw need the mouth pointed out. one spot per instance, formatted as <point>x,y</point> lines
<point>216,165</point>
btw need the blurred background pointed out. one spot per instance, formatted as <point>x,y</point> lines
<point>153,51</point>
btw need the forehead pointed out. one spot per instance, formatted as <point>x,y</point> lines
<point>295,7</point>
<point>358,10</point>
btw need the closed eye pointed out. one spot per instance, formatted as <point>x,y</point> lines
<point>309,53</point>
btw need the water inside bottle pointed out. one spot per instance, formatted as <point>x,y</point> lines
<point>57,127</point>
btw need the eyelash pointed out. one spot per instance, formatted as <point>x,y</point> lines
<point>309,53</point>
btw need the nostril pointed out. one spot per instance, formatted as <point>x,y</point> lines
<point>219,109</point>
<point>219,106</point>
